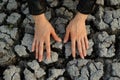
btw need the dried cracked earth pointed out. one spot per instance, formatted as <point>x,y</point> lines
<point>17,62</point>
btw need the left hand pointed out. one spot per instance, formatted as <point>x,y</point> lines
<point>76,29</point>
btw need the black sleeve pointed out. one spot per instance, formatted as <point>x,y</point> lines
<point>36,7</point>
<point>86,6</point>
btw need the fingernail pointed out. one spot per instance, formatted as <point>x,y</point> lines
<point>82,57</point>
<point>40,60</point>
<point>60,40</point>
<point>74,58</point>
<point>64,41</point>
<point>48,58</point>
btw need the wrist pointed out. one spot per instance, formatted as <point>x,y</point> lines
<point>81,17</point>
<point>39,18</point>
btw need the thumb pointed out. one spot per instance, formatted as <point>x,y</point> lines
<point>54,35</point>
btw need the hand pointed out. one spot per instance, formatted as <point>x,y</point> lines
<point>43,30</point>
<point>76,29</point>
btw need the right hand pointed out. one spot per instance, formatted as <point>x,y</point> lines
<point>76,30</point>
<point>43,30</point>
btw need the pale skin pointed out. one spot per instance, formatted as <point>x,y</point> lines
<point>76,31</point>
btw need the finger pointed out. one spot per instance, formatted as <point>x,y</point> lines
<point>33,45</point>
<point>48,49</point>
<point>80,48</point>
<point>83,47</point>
<point>66,35</point>
<point>41,51</point>
<point>54,35</point>
<point>73,46</point>
<point>86,42</point>
<point>36,47</point>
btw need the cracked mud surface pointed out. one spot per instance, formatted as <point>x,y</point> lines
<point>17,62</point>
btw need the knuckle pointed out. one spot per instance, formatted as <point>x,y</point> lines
<point>42,39</point>
<point>52,30</point>
<point>73,37</point>
<point>48,53</point>
<point>40,55</point>
<point>73,51</point>
<point>47,47</point>
<point>80,51</point>
<point>67,29</point>
<point>81,54</point>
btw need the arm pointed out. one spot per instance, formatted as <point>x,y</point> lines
<point>36,7</point>
<point>86,6</point>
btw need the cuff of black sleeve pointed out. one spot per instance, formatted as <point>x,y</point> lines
<point>86,6</point>
<point>36,7</point>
